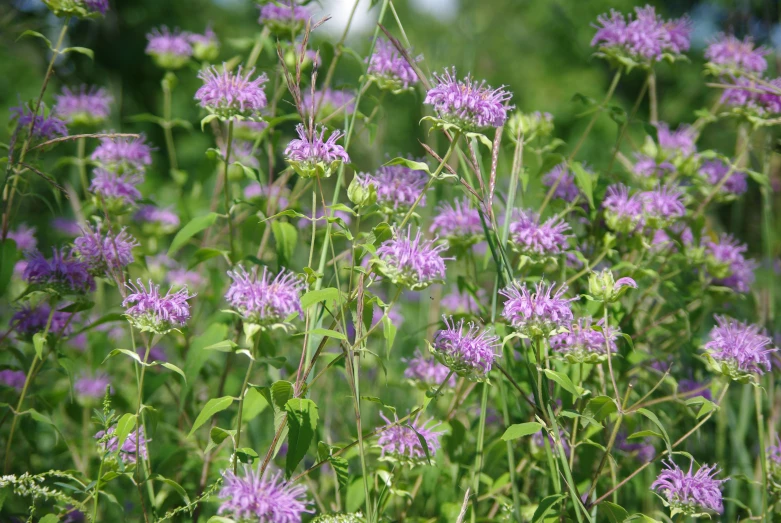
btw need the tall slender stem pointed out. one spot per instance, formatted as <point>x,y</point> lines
<point>241,403</point>
<point>81,148</point>
<point>226,190</point>
<point>480,446</point>
<point>762,449</point>
<point>167,84</point>
<point>654,103</point>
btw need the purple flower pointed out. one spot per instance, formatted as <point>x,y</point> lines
<point>127,454</point>
<point>715,170</point>
<point>583,343</point>
<point>410,261</point>
<point>170,50</point>
<point>535,240</point>
<point>105,253</point>
<point>566,189</point>
<point>463,302</point>
<point>389,68</point>
<point>62,273</point>
<point>623,212</point>
<point>262,299</point>
<point>401,443</point>
<point>740,349</point>
<point>91,386</point>
<point>469,354</point>
<point>727,264</point>
<point>166,218</point>
<point>397,187</point>
<point>86,106</point>
<point>646,37</point>
<point>131,153</point>
<point>118,189</point>
<point>647,167</point>
<point>689,493</point>
<point>749,95</point>
<point>180,277</point>
<point>268,192</point>
<point>312,155</point>
<point>230,94</point>
<point>206,46</point>
<point>538,313</point>
<point>13,378</point>
<point>643,450</point>
<point>328,101</point>
<point>45,127</point>
<point>466,103</point>
<point>99,6</point>
<point>679,141</point>
<point>147,310</point>
<point>727,50</point>
<point>265,500</point>
<point>458,222</point>
<point>662,240</point>
<point>538,442</point>
<point>774,453</point>
<point>428,371</point>
<point>28,320</point>
<point>282,14</point>
<point>662,206</point>
<point>66,226</point>
<point>24,237</point>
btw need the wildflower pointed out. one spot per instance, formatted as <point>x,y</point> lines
<point>262,299</point>
<point>538,240</point>
<point>427,371</point>
<point>681,141</point>
<point>566,188</point>
<point>283,15</point>
<point>119,190</point>
<point>13,378</point>
<point>688,493</point>
<point>87,106</point>
<point>727,51</point>
<point>206,46</point>
<point>648,167</point>
<point>249,129</point>
<point>389,69</point>
<point>662,240</point>
<point>469,354</point>
<point>62,274</point>
<point>170,50</point>
<point>459,223</point>
<point>163,218</point>
<point>397,187</point>
<point>715,170</point>
<point>66,226</point>
<point>411,262</point>
<point>645,38</point>
<point>327,102</point>
<point>123,153</point>
<point>263,500</point>
<point>228,94</point>
<point>24,237</point>
<point>727,265</point>
<point>749,96</point>
<point>97,6</point>
<point>45,127</point>
<point>467,104</point>
<point>604,287</point>
<point>28,320</point>
<point>91,386</point>
<point>662,206</point>
<point>738,349</point>
<point>530,125</point>
<point>136,442</point>
<point>312,155</point>
<point>585,344</point>
<point>180,277</point>
<point>401,443</point>
<point>148,311</point>
<point>268,192</point>
<point>106,253</point>
<point>773,453</point>
<point>643,451</point>
<point>538,313</point>
<point>623,212</point>
<point>463,302</point>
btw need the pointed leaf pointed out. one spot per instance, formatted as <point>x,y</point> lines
<point>211,408</point>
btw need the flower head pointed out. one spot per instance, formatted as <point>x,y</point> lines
<point>98,6</point>
<point>409,261</point>
<point>662,240</point>
<point>62,273</point>
<point>262,499</point>
<point>229,94</point>
<point>623,211</point>
<point>427,371</point>
<point>647,167</point>
<point>715,170</point>
<point>107,252</point>
<point>727,51</point>
<point>566,188</point>
<point>642,450</point>
<point>604,287</point>
<point>206,46</point>
<point>274,192</point>
<point>170,50</point>
<point>85,106</point>
<point>681,141</point>
<point>727,264</point>
<point>389,68</point>
<point>91,385</point>
<point>469,354</point>
<point>164,218</point>
<point>397,186</point>
<point>328,101</point>
<point>538,240</point>
<point>136,442</point>
<point>264,299</point>
<point>748,95</point>
<point>118,189</point>
<point>583,343</point>
<point>312,155</point>
<point>45,127</point>
<point>459,223</point>
<point>13,378</point>
<point>467,104</point>
<point>283,15</point>
<point>24,237</point>
<point>28,320</point>
<point>538,313</point>
<point>662,206</point>
<point>738,348</point>
<point>774,455</point>
<point>123,153</point>
<point>147,310</point>
<point>690,493</point>
<point>401,443</point>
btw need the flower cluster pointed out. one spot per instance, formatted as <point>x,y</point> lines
<point>739,350</point>
<point>410,261</point>
<point>24,237</point>
<point>731,53</point>
<point>117,190</point>
<point>327,102</point>
<point>264,299</point>
<point>459,223</point>
<point>147,310</point>
<point>86,106</point>
<point>122,154</point>
<point>690,493</point>
<point>169,49</point>
<point>136,443</point>
<point>714,171</point>
<point>165,219</point>
<point>105,253</point>
<point>623,211</point>
<point>91,385</point>
<point>13,378</point>
<point>583,343</point>
<point>428,371</point>
<point>397,187</point>
<point>43,126</point>
<point>283,15</point>
<point>61,274</point>
<point>389,69</point>
<point>727,264</point>
<point>255,497</point>
<point>31,319</point>
<point>564,181</point>
<point>401,443</point>
<point>539,313</point>
<point>538,240</point>
<point>313,155</point>
<point>229,94</point>
<point>469,354</point>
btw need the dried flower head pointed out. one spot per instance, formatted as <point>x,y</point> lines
<point>585,344</point>
<point>409,261</point>
<point>229,94</point>
<point>738,349</point>
<point>148,311</point>
<point>389,69</point>
<point>61,274</point>
<point>469,354</point>
<point>312,155</point>
<point>169,49</point>
<point>105,253</point>
<point>690,493</point>
<point>262,499</point>
<point>265,300</point>
<point>401,442</point>
<point>538,240</point>
<point>538,313</point>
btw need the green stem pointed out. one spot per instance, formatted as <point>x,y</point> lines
<point>654,104</point>
<point>226,191</point>
<point>96,492</point>
<point>241,406</point>
<point>762,450</point>
<point>167,126</point>
<point>480,446</point>
<point>139,400</point>
<point>81,148</point>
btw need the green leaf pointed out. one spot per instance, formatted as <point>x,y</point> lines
<point>545,507</point>
<point>49,518</point>
<point>326,332</point>
<point>584,180</point>
<point>254,404</point>
<point>651,416</point>
<point>389,331</point>
<point>124,426</point>
<point>201,255</point>
<point>246,455</point>
<point>81,50</point>
<point>35,34</point>
<point>641,517</point>
<point>302,421</point>
<point>422,441</point>
<point>520,430</point>
<point>126,352</point>
<point>171,366</point>
<point>642,434</point>
<point>615,513</point>
<point>79,306</point>
<point>600,408</point>
<point>329,295</point>
<point>222,346</point>
<point>286,236</point>
<point>341,468</point>
<point>197,356</point>
<point>211,408</point>
<point>39,340</point>
<point>563,381</point>
<point>412,164</point>
<point>192,228</point>
<point>208,119</point>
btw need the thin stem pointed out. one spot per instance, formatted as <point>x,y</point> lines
<point>81,148</point>
<point>716,188</point>
<point>241,403</point>
<point>167,125</point>
<point>762,450</point>
<point>653,101</point>
<point>226,190</point>
<point>480,445</point>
